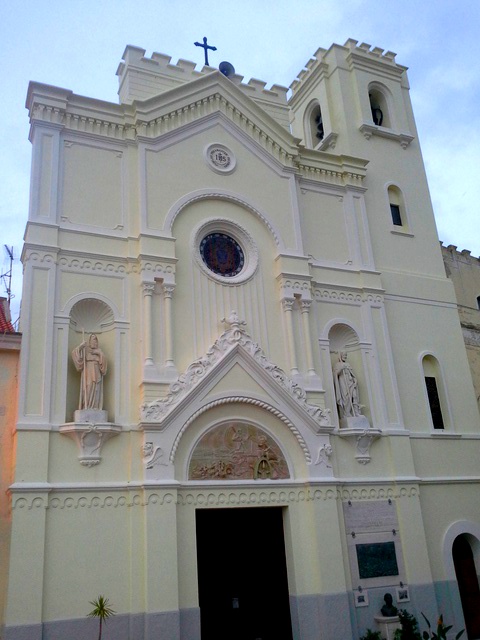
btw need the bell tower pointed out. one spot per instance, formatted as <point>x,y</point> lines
<point>353,100</point>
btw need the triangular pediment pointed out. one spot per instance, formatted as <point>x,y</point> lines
<point>203,97</point>
<point>234,369</point>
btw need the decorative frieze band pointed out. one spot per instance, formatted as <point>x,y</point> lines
<point>212,497</point>
<point>349,297</point>
<point>159,270</point>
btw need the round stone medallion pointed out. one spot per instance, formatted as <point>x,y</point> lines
<point>219,158</point>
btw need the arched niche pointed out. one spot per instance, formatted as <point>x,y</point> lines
<point>380,105</point>
<point>91,316</point>
<point>343,339</point>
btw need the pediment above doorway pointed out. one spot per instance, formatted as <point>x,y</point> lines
<point>234,347</point>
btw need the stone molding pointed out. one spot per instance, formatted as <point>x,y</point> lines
<point>369,130</point>
<point>112,265</point>
<point>224,495</point>
<point>298,286</point>
<point>228,197</point>
<point>234,337</point>
<point>349,297</point>
<point>243,400</point>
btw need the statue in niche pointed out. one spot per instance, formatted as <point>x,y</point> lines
<point>91,361</point>
<point>346,388</point>
<point>388,610</point>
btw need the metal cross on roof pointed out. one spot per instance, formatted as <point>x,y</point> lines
<point>205,47</point>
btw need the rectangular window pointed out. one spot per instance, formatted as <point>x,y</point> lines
<point>434,401</point>
<point>396,217</point>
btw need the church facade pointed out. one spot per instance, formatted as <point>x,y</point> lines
<point>245,408</point>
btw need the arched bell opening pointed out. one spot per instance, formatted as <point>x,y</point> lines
<point>314,125</point>
<point>379,105</point>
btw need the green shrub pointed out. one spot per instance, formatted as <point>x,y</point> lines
<point>409,630</point>
<point>372,635</point>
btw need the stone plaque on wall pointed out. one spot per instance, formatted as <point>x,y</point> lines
<point>370,516</point>
<point>237,452</point>
<point>374,545</point>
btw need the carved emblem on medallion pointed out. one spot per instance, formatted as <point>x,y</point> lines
<point>220,158</point>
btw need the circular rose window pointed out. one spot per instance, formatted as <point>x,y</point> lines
<point>222,254</point>
<point>224,251</point>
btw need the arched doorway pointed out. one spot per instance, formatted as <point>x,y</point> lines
<point>467,584</point>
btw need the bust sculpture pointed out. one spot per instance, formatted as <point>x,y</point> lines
<point>346,388</point>
<point>388,610</point>
<point>91,361</point>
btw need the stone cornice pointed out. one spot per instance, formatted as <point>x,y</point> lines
<point>206,97</point>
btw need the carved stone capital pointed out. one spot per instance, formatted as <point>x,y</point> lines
<point>305,306</point>
<point>287,304</point>
<point>148,288</point>
<point>168,290</point>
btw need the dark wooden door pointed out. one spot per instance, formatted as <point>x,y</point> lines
<point>242,576</point>
<point>467,585</point>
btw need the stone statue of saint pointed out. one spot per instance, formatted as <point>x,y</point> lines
<point>91,361</point>
<point>388,610</point>
<point>346,388</point>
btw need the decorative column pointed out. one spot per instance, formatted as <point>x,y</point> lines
<point>305,307</point>
<point>148,289</point>
<point>167,297</point>
<point>287,304</point>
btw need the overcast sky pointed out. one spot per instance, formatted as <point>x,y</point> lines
<point>77,44</point>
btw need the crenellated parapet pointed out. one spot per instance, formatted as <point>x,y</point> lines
<point>356,55</point>
<point>142,78</point>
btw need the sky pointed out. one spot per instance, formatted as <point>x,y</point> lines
<point>77,45</point>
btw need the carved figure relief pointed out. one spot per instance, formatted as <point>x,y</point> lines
<point>91,361</point>
<point>237,452</point>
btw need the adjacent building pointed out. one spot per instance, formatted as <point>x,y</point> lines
<point>245,405</point>
<point>464,271</point>
<point>10,342</point>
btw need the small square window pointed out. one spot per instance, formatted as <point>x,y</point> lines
<point>396,217</point>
